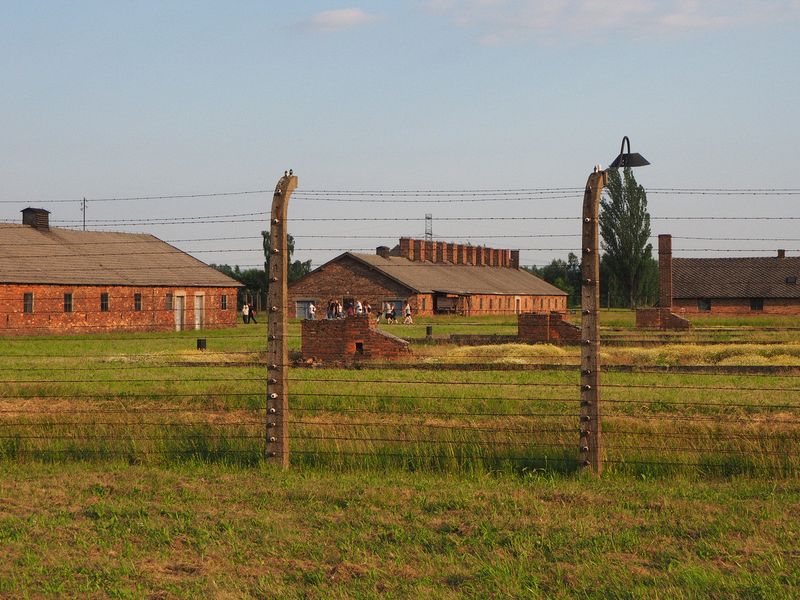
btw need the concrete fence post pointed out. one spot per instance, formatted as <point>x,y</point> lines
<point>277,404</point>
<point>590,427</point>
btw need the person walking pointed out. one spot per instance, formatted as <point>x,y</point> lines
<point>245,313</point>
<point>359,308</point>
<point>312,312</point>
<point>407,312</point>
<point>252,313</point>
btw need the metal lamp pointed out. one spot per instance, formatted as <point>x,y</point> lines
<point>628,159</point>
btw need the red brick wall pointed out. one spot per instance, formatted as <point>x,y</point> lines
<point>660,318</point>
<point>738,306</point>
<point>335,340</point>
<point>346,278</point>
<point>546,327</point>
<point>490,304</point>
<point>86,317</point>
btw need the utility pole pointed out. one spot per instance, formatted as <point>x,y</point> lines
<point>277,404</point>
<point>428,227</point>
<point>83,210</point>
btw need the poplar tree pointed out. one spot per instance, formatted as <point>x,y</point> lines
<point>625,231</point>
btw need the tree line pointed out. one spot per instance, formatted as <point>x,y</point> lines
<point>255,280</point>
<point>628,271</point>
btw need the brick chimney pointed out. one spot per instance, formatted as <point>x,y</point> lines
<point>665,270</point>
<point>419,250</point>
<point>781,253</point>
<point>382,251</point>
<point>514,259</point>
<point>38,218</point>
<point>441,255</point>
<point>451,248</point>
<point>430,251</point>
<point>405,248</point>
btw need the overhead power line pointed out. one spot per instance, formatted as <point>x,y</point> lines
<point>397,193</point>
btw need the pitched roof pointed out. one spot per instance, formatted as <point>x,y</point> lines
<point>759,277</point>
<point>69,257</point>
<point>428,278</point>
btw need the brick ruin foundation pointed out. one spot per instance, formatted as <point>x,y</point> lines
<point>357,338</point>
<point>660,318</point>
<point>348,340</point>
<point>546,327</point>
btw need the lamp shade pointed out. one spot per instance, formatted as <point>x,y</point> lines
<point>628,159</point>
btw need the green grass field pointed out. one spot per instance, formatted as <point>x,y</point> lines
<point>200,531</point>
<point>132,465</point>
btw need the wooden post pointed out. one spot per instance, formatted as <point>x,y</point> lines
<point>590,430</point>
<point>277,434</point>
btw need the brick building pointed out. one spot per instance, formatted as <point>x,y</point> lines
<point>56,280</point>
<point>433,277</point>
<point>752,285</point>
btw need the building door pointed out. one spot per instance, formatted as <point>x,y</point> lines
<point>199,311</point>
<point>518,305</point>
<point>180,312</point>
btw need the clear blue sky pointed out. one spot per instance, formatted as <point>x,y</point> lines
<point>148,98</point>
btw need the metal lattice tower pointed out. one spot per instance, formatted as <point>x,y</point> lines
<point>428,227</point>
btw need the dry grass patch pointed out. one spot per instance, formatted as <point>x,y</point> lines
<point>509,354</point>
<point>693,354</point>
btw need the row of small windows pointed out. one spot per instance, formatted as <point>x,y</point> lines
<point>704,304</point>
<point>509,303</point>
<point>27,302</point>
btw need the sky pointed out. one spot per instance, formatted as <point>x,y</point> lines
<point>111,99</point>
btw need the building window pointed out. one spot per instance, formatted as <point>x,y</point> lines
<point>169,301</point>
<point>104,302</point>
<point>301,308</point>
<point>480,303</point>
<point>224,301</point>
<point>68,302</point>
<point>491,303</point>
<point>27,302</point>
<point>423,304</point>
<point>704,304</point>
<point>137,302</point>
<point>756,304</point>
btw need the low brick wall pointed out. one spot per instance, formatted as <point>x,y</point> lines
<point>660,318</point>
<point>546,327</point>
<point>348,340</point>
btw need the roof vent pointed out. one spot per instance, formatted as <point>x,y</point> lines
<point>38,218</point>
<point>382,251</point>
<point>791,280</point>
<point>781,253</point>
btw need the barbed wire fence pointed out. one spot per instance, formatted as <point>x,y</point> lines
<point>108,395</point>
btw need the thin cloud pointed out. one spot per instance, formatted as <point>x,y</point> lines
<point>340,19</point>
<point>499,21</point>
